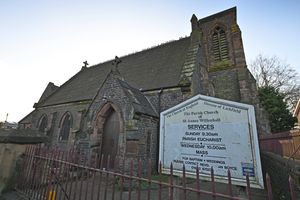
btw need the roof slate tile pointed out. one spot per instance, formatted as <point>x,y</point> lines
<point>153,68</point>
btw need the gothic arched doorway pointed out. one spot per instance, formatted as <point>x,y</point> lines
<point>108,128</point>
<point>110,138</point>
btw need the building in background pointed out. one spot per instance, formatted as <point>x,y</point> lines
<point>8,125</point>
<point>297,113</point>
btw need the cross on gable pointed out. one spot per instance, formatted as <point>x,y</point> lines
<point>85,64</point>
<point>116,62</point>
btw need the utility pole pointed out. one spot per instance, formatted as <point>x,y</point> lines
<point>6,117</point>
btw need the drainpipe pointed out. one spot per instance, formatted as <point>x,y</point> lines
<point>158,128</point>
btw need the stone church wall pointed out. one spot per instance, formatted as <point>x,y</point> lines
<point>249,95</point>
<point>111,92</point>
<point>227,20</point>
<point>138,135</point>
<point>225,84</point>
<point>142,141</point>
<point>165,98</point>
<point>54,115</point>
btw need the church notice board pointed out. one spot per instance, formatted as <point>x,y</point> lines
<point>210,132</point>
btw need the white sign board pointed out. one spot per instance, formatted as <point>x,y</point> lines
<point>210,132</point>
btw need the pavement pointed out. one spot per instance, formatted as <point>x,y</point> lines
<point>13,195</point>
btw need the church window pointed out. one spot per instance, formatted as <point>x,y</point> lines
<point>65,127</point>
<point>219,44</point>
<point>43,124</point>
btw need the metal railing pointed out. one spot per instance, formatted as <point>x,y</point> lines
<point>54,174</point>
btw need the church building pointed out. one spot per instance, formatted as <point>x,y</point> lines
<point>113,107</point>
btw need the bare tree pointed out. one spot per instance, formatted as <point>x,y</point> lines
<point>276,73</point>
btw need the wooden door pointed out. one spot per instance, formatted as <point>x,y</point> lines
<point>110,140</point>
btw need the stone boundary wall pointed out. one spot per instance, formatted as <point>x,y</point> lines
<point>12,146</point>
<point>10,158</point>
<point>279,169</point>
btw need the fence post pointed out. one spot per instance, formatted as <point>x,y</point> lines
<point>171,188</point>
<point>229,183</point>
<point>213,185</point>
<point>248,187</point>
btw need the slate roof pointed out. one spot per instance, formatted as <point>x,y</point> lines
<point>154,68</point>
<point>139,102</point>
<point>48,91</point>
<point>27,118</point>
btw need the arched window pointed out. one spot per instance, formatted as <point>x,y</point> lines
<point>65,127</point>
<point>42,125</point>
<point>219,44</point>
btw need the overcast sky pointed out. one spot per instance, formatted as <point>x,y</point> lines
<point>47,41</point>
